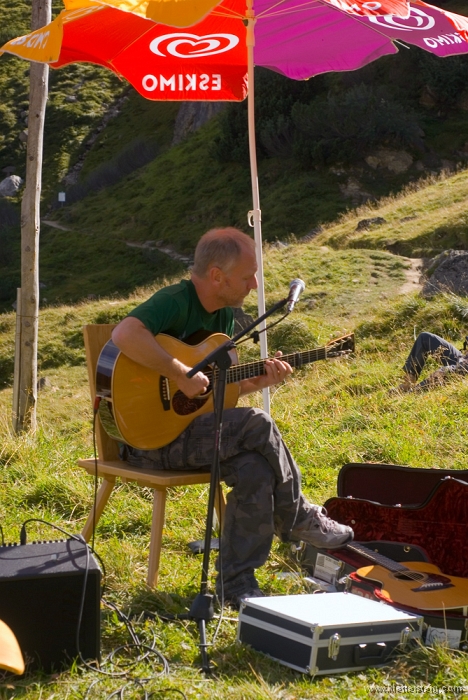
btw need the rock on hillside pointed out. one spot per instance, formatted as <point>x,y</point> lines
<point>10,186</point>
<point>448,272</point>
<point>192,115</point>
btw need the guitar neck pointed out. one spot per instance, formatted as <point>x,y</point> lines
<point>376,558</point>
<point>255,369</point>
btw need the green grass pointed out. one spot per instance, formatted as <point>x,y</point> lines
<point>186,190</point>
<point>330,413</point>
<point>421,222</point>
<point>68,124</point>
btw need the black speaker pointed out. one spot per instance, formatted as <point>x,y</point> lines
<point>42,585</point>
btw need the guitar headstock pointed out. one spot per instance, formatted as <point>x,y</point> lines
<point>340,346</point>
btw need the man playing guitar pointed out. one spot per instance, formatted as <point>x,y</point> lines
<point>266,496</point>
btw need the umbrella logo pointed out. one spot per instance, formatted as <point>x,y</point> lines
<point>183,45</point>
<point>32,41</point>
<point>416,20</point>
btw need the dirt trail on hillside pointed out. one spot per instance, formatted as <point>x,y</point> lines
<point>413,276</point>
<point>167,250</point>
<point>55,224</point>
<point>413,273</point>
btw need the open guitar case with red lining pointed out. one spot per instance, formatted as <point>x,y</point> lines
<point>406,514</point>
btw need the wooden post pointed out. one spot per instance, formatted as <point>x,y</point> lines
<point>16,377</point>
<point>30,228</point>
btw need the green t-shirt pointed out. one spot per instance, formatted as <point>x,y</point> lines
<point>177,311</point>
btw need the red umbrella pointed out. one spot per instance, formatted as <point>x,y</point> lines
<point>297,39</point>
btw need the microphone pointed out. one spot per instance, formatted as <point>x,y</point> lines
<point>295,289</point>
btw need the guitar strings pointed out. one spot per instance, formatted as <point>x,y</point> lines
<point>248,370</point>
<point>393,566</point>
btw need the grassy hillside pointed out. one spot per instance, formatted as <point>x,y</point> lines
<point>330,413</point>
<point>148,191</point>
<point>421,223</point>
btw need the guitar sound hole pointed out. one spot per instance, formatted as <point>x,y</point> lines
<point>183,406</point>
<point>410,576</point>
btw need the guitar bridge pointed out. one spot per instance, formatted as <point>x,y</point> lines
<point>432,586</point>
<point>165,393</point>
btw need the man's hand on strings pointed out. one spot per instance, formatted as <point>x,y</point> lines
<point>195,386</point>
<point>276,371</point>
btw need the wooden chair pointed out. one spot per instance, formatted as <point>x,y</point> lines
<point>110,467</point>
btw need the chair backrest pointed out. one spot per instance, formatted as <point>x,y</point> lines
<point>95,337</point>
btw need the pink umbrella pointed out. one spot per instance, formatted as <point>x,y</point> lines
<point>297,39</point>
<point>213,59</point>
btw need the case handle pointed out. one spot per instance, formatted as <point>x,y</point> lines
<point>369,653</point>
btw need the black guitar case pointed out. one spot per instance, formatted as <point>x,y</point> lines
<point>391,484</point>
<point>394,509</point>
<point>439,524</point>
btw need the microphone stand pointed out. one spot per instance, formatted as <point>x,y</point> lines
<point>201,611</point>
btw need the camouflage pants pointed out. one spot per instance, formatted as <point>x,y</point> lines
<point>427,344</point>
<point>265,481</point>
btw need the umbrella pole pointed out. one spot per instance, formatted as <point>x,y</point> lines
<point>255,216</point>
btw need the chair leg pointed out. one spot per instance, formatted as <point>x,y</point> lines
<point>103,494</point>
<point>157,525</point>
<point>220,504</point>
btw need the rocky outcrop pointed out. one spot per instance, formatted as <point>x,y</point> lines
<point>311,234</point>
<point>192,115</point>
<point>448,272</point>
<point>366,224</point>
<point>10,186</point>
<point>353,190</point>
<point>71,178</point>
<point>395,161</point>
<point>241,320</point>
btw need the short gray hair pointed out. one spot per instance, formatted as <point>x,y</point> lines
<point>220,247</point>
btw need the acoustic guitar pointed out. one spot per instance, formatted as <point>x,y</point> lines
<point>146,410</point>
<point>417,584</point>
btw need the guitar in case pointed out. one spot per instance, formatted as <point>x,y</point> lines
<point>416,584</point>
<point>419,585</point>
<point>439,524</point>
<point>335,565</point>
<point>422,510</point>
<point>450,628</point>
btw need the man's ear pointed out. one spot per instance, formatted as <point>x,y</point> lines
<point>216,276</point>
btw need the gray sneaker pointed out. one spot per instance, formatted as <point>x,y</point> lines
<point>235,601</point>
<point>319,530</point>
<point>244,585</point>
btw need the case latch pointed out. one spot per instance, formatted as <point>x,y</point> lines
<point>334,646</point>
<point>405,636</point>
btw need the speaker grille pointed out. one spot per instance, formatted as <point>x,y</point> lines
<point>41,590</point>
